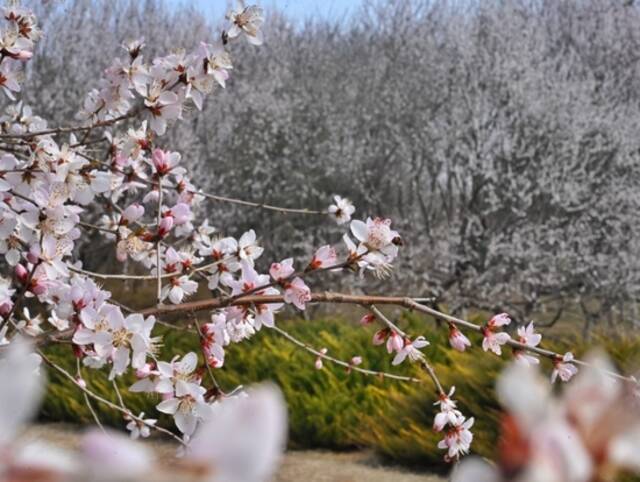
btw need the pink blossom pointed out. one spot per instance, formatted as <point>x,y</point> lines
<point>165,226</point>
<point>297,293</point>
<point>247,21</point>
<point>163,161</point>
<point>323,258</point>
<point>493,341</point>
<point>448,413</point>
<point>492,338</point>
<point>181,213</point>
<point>501,319</point>
<point>282,270</point>
<point>527,336</point>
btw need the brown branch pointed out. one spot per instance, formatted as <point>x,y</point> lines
<point>328,297</point>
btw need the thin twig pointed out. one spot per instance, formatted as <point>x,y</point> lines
<point>106,402</point>
<point>337,361</point>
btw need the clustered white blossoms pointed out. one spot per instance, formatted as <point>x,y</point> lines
<point>458,437</point>
<point>18,36</point>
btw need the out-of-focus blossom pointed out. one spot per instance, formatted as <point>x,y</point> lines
<point>243,439</point>
<point>591,433</point>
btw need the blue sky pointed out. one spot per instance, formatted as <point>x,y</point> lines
<point>332,9</point>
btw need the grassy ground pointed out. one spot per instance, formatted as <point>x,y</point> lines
<point>307,465</point>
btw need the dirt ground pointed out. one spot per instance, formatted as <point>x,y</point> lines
<point>298,466</point>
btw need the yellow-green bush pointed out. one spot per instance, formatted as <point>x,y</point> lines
<point>331,408</point>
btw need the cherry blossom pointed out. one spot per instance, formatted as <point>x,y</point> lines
<point>139,428</point>
<point>247,250</point>
<point>377,236</point>
<point>563,368</point>
<point>493,339</point>
<point>395,342</point>
<point>214,338</point>
<point>341,210</point>
<point>178,288</point>
<point>527,336</point>
<point>380,336</point>
<point>367,319</point>
<point>116,338</point>
<point>247,21</point>
<point>323,258</point>
<point>448,413</point>
<point>458,438</point>
<point>411,349</point>
<point>184,394</point>
<point>297,293</point>
<point>282,270</point>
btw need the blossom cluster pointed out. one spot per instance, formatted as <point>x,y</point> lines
<point>18,36</point>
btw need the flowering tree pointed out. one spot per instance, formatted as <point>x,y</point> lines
<point>117,166</point>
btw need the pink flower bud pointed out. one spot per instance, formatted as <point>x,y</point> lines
<point>367,319</point>
<point>394,342</point>
<point>5,307</point>
<point>380,336</point>
<point>356,360</point>
<point>166,224</point>
<point>21,273</point>
<point>159,160</point>
<point>457,340</point>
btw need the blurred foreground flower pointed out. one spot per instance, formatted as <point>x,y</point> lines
<point>592,433</point>
<point>242,439</point>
